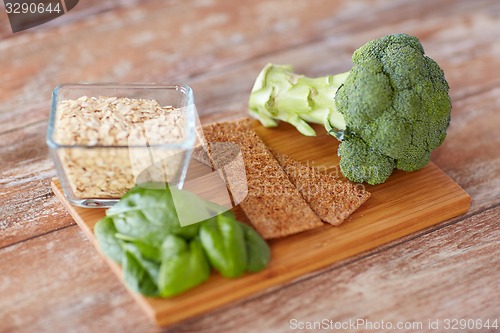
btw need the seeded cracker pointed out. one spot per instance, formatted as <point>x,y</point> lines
<point>331,199</point>
<point>274,206</point>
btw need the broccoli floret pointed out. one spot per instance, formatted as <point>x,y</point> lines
<point>396,99</point>
<point>393,103</point>
<point>360,163</point>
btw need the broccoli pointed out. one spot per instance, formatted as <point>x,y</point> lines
<point>389,111</point>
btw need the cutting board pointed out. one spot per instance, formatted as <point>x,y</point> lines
<point>406,203</point>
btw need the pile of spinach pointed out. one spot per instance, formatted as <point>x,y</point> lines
<point>159,257</point>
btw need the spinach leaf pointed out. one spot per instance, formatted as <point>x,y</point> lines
<point>154,201</point>
<point>183,270</point>
<point>172,246</point>
<point>148,251</point>
<point>149,213</point>
<point>111,246</point>
<point>258,251</point>
<point>136,226</point>
<point>163,256</point>
<point>224,243</point>
<point>139,273</point>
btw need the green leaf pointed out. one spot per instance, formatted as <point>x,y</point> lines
<point>148,251</point>
<point>183,270</point>
<point>258,251</point>
<point>104,231</point>
<point>148,213</point>
<point>156,198</point>
<point>172,246</point>
<point>224,244</point>
<point>135,225</point>
<point>139,273</point>
<point>188,232</point>
<point>161,257</point>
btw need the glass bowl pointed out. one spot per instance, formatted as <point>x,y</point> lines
<point>106,138</point>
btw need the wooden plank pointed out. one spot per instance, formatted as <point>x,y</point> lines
<point>408,202</point>
<point>29,207</point>
<point>83,10</point>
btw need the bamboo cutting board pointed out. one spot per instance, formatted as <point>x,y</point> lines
<point>406,203</point>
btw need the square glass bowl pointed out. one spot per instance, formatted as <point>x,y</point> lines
<point>106,138</point>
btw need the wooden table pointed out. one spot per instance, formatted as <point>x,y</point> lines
<point>53,280</point>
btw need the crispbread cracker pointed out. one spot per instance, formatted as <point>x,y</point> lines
<point>273,205</point>
<point>333,200</point>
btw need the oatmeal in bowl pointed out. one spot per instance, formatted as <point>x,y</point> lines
<point>103,138</point>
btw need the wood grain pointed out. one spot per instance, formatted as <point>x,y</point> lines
<point>35,297</point>
<point>408,202</point>
<point>170,56</point>
<point>29,207</point>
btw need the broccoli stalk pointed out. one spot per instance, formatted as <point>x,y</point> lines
<point>280,94</point>
<point>389,111</point>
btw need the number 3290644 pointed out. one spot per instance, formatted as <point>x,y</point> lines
<point>32,8</point>
<point>472,324</point>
